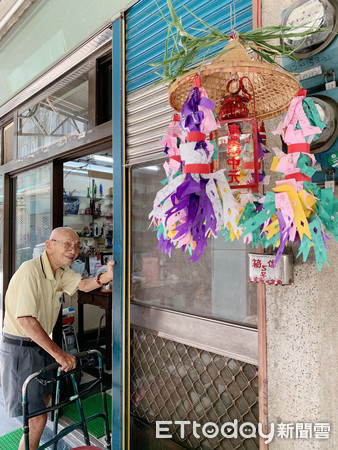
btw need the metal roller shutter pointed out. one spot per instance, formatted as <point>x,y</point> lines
<point>147,117</point>
<point>147,110</point>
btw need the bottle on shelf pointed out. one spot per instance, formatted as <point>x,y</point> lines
<point>98,211</point>
<point>94,191</point>
<point>109,237</point>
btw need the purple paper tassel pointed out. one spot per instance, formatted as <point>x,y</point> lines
<point>191,196</point>
<point>191,116</point>
<point>165,245</point>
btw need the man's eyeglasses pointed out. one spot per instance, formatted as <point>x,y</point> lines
<point>68,245</point>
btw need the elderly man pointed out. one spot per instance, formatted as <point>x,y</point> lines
<point>33,302</point>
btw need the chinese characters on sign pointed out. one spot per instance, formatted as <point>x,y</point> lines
<point>262,270</point>
<point>237,140</point>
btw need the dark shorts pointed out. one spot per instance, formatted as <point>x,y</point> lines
<point>16,364</point>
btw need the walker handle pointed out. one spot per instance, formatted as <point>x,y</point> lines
<point>56,365</point>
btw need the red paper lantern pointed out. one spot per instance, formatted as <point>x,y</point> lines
<point>234,113</point>
<point>233,105</point>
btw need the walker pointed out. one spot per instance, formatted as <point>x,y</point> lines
<point>88,358</point>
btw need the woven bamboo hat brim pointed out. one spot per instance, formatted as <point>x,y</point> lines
<point>273,87</point>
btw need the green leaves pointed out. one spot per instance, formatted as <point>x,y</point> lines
<point>189,50</point>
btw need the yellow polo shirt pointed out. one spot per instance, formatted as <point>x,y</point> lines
<point>34,291</point>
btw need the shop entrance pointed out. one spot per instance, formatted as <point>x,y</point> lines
<point>87,208</point>
<point>87,205</point>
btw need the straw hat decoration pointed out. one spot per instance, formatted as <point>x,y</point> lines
<point>273,87</point>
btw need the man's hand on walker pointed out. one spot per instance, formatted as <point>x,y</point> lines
<point>67,362</point>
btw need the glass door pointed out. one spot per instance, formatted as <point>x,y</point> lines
<point>194,344</point>
<point>32,210</point>
<point>87,208</point>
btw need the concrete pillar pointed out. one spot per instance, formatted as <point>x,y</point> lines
<point>302,331</point>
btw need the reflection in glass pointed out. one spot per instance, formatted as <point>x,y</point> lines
<point>54,119</point>
<point>8,142</point>
<point>215,286</point>
<point>32,210</point>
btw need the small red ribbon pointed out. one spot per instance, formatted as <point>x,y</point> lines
<point>302,147</point>
<point>297,176</point>
<point>196,136</point>
<point>175,158</point>
<point>196,168</point>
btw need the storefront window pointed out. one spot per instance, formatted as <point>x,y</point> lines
<point>56,119</point>
<point>215,286</point>
<point>33,218</point>
<point>8,142</point>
